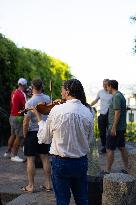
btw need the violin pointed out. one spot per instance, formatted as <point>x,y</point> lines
<point>43,108</point>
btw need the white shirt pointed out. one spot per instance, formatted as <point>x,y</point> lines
<point>105,100</point>
<point>69,128</point>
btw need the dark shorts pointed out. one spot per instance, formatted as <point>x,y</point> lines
<point>118,141</point>
<point>32,147</point>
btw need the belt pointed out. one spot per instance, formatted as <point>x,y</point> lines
<point>67,158</point>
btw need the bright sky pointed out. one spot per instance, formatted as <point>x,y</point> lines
<point>95,37</point>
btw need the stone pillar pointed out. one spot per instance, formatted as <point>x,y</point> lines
<point>132,162</point>
<point>119,189</point>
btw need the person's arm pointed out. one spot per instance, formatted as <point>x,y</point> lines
<point>25,125</point>
<point>45,132</point>
<point>96,99</point>
<point>115,122</point>
<point>94,102</point>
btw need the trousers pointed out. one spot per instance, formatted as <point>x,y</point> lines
<point>103,126</point>
<point>70,175</point>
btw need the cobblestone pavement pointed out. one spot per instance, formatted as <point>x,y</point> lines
<point>13,177</point>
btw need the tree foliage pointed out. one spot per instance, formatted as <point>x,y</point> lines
<point>28,63</point>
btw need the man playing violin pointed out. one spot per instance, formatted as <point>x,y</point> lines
<point>68,128</point>
<point>31,146</point>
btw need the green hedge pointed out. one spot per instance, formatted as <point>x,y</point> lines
<point>131,132</point>
<point>27,63</point>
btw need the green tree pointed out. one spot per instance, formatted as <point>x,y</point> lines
<point>8,73</point>
<point>28,63</point>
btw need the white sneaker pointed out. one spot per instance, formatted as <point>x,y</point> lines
<point>7,154</point>
<point>16,159</point>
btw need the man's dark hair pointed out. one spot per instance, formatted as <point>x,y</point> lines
<point>106,79</point>
<point>37,84</point>
<point>75,89</point>
<point>113,84</point>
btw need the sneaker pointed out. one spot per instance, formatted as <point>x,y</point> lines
<point>16,159</point>
<point>7,154</point>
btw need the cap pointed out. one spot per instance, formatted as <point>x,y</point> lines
<point>22,81</point>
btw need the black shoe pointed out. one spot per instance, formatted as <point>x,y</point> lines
<point>103,150</point>
<point>124,171</point>
<point>102,173</point>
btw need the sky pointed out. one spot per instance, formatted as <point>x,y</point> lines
<point>94,37</point>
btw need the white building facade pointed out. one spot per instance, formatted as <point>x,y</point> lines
<point>131,108</point>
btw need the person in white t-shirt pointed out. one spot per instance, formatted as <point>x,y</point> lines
<point>105,99</point>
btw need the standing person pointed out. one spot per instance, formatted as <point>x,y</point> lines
<point>105,99</point>
<point>18,100</point>
<point>69,128</point>
<point>117,126</point>
<point>31,146</point>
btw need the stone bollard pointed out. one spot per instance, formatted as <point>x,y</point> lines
<point>119,189</point>
<point>132,162</point>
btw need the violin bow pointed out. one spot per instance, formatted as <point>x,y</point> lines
<point>51,90</point>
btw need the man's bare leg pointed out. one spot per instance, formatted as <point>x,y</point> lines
<point>47,170</point>
<point>30,173</point>
<point>110,160</point>
<point>10,143</point>
<point>124,155</point>
<point>16,146</point>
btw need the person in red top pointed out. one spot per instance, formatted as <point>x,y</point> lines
<point>18,100</point>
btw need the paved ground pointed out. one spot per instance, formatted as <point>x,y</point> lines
<point>13,176</point>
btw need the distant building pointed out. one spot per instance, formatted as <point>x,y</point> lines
<point>131,108</point>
